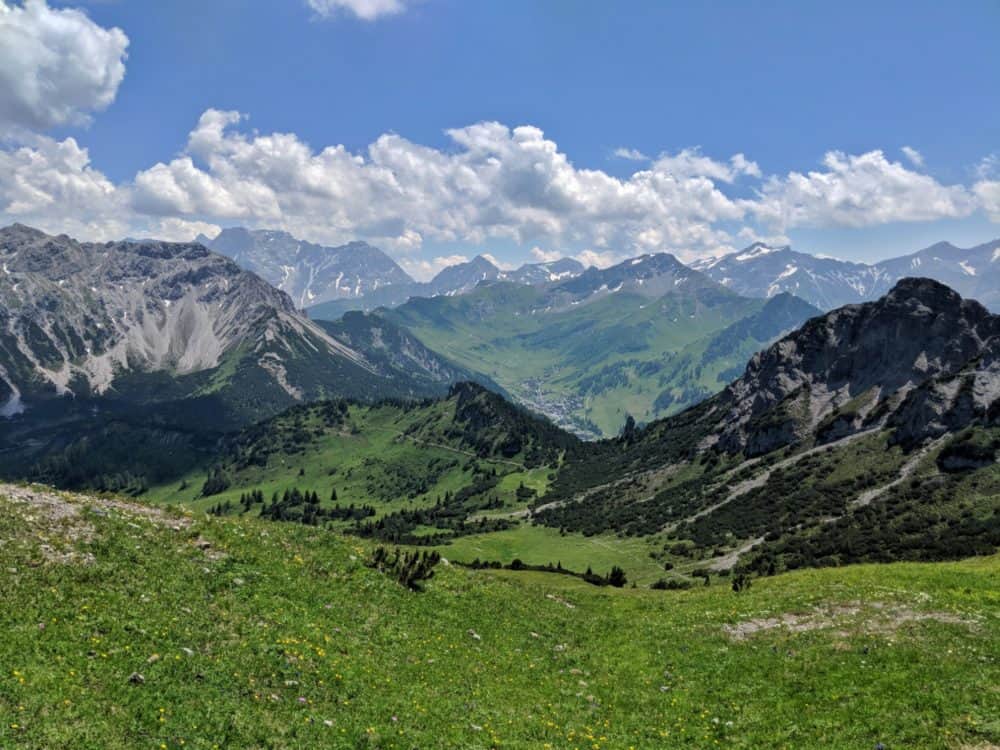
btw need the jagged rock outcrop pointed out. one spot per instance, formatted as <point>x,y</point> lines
<point>921,359</point>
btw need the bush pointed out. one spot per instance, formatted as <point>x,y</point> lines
<point>409,569</point>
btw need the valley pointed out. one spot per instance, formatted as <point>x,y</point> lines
<point>643,339</point>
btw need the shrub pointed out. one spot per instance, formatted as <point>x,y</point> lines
<point>408,568</point>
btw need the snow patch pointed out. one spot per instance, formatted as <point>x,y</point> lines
<point>967,268</point>
<point>756,252</point>
<point>790,269</point>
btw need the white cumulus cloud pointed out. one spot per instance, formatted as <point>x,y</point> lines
<point>631,154</point>
<point>56,66</point>
<point>491,182</point>
<point>915,157</point>
<point>494,182</point>
<point>366,10</point>
<point>544,256</point>
<point>501,264</point>
<point>692,163</point>
<point>52,185</point>
<point>602,259</point>
<point>988,194</point>
<point>858,191</point>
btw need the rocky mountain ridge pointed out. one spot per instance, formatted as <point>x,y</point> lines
<point>762,270</point>
<point>99,320</point>
<point>308,272</point>
<point>920,359</point>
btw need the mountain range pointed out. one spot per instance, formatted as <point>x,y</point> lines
<point>310,274</point>
<point>763,270</point>
<point>356,276</point>
<point>450,281</point>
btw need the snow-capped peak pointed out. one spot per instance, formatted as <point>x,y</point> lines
<point>756,250</point>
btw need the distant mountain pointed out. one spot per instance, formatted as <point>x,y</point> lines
<point>637,339</point>
<point>450,281</point>
<point>462,277</point>
<point>763,271</point>
<point>309,273</point>
<point>543,273</point>
<point>169,336</point>
<point>973,272</point>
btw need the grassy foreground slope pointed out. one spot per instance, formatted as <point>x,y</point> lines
<point>127,626</point>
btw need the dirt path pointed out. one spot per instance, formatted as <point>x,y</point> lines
<point>761,479</point>
<point>726,562</point>
<point>866,497</point>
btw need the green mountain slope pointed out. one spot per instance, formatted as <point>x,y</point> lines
<point>466,458</point>
<point>590,351</point>
<point>125,627</point>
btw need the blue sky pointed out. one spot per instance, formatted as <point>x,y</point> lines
<point>782,84</point>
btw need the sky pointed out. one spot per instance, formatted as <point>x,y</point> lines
<point>439,129</point>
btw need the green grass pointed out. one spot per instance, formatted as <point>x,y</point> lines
<point>539,545</point>
<point>278,636</point>
<point>365,461</point>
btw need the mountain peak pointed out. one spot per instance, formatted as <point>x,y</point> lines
<point>19,231</point>
<point>867,352</point>
<point>309,273</point>
<point>931,292</point>
<point>759,249</point>
<point>940,247</point>
<point>482,260</point>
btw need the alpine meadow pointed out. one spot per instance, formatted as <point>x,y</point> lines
<point>413,374</point>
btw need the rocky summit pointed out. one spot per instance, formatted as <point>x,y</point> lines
<point>920,350</point>
<point>308,272</point>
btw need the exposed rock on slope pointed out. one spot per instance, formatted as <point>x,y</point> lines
<point>857,365</point>
<point>146,322</point>
<point>309,273</point>
<point>75,316</point>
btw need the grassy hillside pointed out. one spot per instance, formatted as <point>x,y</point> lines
<point>422,473</point>
<point>590,365</point>
<point>131,627</point>
<point>858,499</point>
